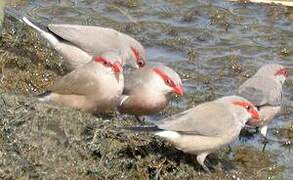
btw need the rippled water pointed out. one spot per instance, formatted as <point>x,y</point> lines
<point>213,45</point>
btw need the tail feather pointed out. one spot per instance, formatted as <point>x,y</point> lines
<point>43,97</point>
<point>143,128</point>
<point>171,135</point>
<point>50,37</point>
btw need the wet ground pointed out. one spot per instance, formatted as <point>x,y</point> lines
<point>214,46</point>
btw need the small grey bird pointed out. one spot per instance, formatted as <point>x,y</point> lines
<point>264,90</point>
<point>79,44</point>
<point>206,127</point>
<point>94,87</point>
<point>149,89</point>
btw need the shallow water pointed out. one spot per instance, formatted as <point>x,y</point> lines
<point>213,45</point>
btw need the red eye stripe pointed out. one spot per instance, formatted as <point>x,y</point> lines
<point>100,59</point>
<point>103,60</point>
<point>138,58</point>
<point>135,52</point>
<point>249,107</point>
<point>282,71</point>
<point>243,103</point>
<point>165,77</point>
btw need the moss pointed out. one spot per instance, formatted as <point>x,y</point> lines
<point>42,140</point>
<point>26,64</point>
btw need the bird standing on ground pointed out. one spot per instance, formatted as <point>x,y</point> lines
<point>79,44</point>
<point>206,127</point>
<point>264,90</point>
<point>94,87</point>
<point>148,90</point>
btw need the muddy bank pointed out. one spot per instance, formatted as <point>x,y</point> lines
<point>43,141</point>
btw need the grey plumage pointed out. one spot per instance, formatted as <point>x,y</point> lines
<point>78,44</point>
<point>261,91</point>
<point>206,127</point>
<point>264,90</point>
<point>145,92</point>
<point>92,87</point>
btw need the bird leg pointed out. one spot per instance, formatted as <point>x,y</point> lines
<point>263,130</point>
<point>265,140</point>
<point>200,159</point>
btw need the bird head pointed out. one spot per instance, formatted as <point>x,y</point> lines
<point>110,60</point>
<point>246,110</point>
<point>276,71</point>
<point>136,54</point>
<point>168,81</point>
<point>242,109</point>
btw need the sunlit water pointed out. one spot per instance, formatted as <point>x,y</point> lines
<point>218,42</point>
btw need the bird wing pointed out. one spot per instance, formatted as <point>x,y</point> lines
<point>92,39</point>
<point>261,91</point>
<point>82,81</point>
<point>208,119</point>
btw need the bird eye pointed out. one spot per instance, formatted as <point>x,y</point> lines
<point>248,107</point>
<point>140,63</point>
<point>169,82</point>
<point>285,73</point>
<point>106,63</point>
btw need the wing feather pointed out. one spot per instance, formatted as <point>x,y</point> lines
<point>204,120</point>
<point>261,91</point>
<point>81,81</point>
<point>92,39</point>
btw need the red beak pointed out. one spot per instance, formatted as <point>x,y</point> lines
<point>255,115</point>
<point>255,119</point>
<point>117,67</point>
<point>178,90</point>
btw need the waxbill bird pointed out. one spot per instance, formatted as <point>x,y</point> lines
<point>78,44</point>
<point>264,90</point>
<point>206,127</point>
<point>94,87</point>
<point>149,89</point>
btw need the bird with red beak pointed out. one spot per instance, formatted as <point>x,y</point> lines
<point>206,127</point>
<point>79,44</point>
<point>94,87</point>
<point>264,90</point>
<point>149,89</point>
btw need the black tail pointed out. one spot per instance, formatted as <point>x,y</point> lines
<point>44,94</point>
<point>142,128</point>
